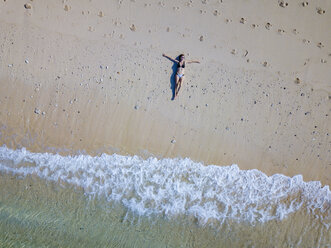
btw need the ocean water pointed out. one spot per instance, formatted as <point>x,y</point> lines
<point>49,200</point>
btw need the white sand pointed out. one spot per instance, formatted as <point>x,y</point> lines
<point>89,75</point>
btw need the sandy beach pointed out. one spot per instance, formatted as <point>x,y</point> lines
<point>89,76</point>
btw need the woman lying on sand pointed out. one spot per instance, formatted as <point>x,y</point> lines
<point>179,78</point>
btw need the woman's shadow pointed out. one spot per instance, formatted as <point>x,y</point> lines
<point>173,77</point>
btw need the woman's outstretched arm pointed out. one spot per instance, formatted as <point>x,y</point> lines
<point>168,57</point>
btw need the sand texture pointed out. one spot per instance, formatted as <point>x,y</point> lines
<point>85,75</point>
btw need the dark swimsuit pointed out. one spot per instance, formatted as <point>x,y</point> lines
<point>180,66</point>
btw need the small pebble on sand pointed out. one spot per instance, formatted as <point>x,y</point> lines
<point>173,141</point>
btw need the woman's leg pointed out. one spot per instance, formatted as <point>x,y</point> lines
<point>180,81</point>
<point>176,84</point>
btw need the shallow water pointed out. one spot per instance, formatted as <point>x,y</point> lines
<point>49,200</point>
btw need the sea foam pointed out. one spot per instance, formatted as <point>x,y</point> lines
<point>170,187</point>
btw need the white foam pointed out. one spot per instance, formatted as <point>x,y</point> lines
<point>175,186</point>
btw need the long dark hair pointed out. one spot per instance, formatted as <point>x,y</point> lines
<point>180,56</point>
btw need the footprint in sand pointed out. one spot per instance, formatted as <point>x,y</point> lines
<point>306,62</point>
<point>133,28</point>
<point>27,6</point>
<point>295,31</point>
<point>320,45</point>
<point>281,31</point>
<point>66,8</point>
<point>189,4</point>
<point>304,4</point>
<point>323,61</point>
<point>201,38</point>
<point>242,20</point>
<point>297,81</point>
<point>101,14</point>
<point>282,3</point>
<point>117,23</point>
<point>265,63</point>
<point>306,41</point>
<point>216,12</point>
<point>268,25</point>
<point>320,11</point>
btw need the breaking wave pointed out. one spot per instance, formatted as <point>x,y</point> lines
<point>170,187</point>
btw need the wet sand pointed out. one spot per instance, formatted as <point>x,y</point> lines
<point>82,76</point>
